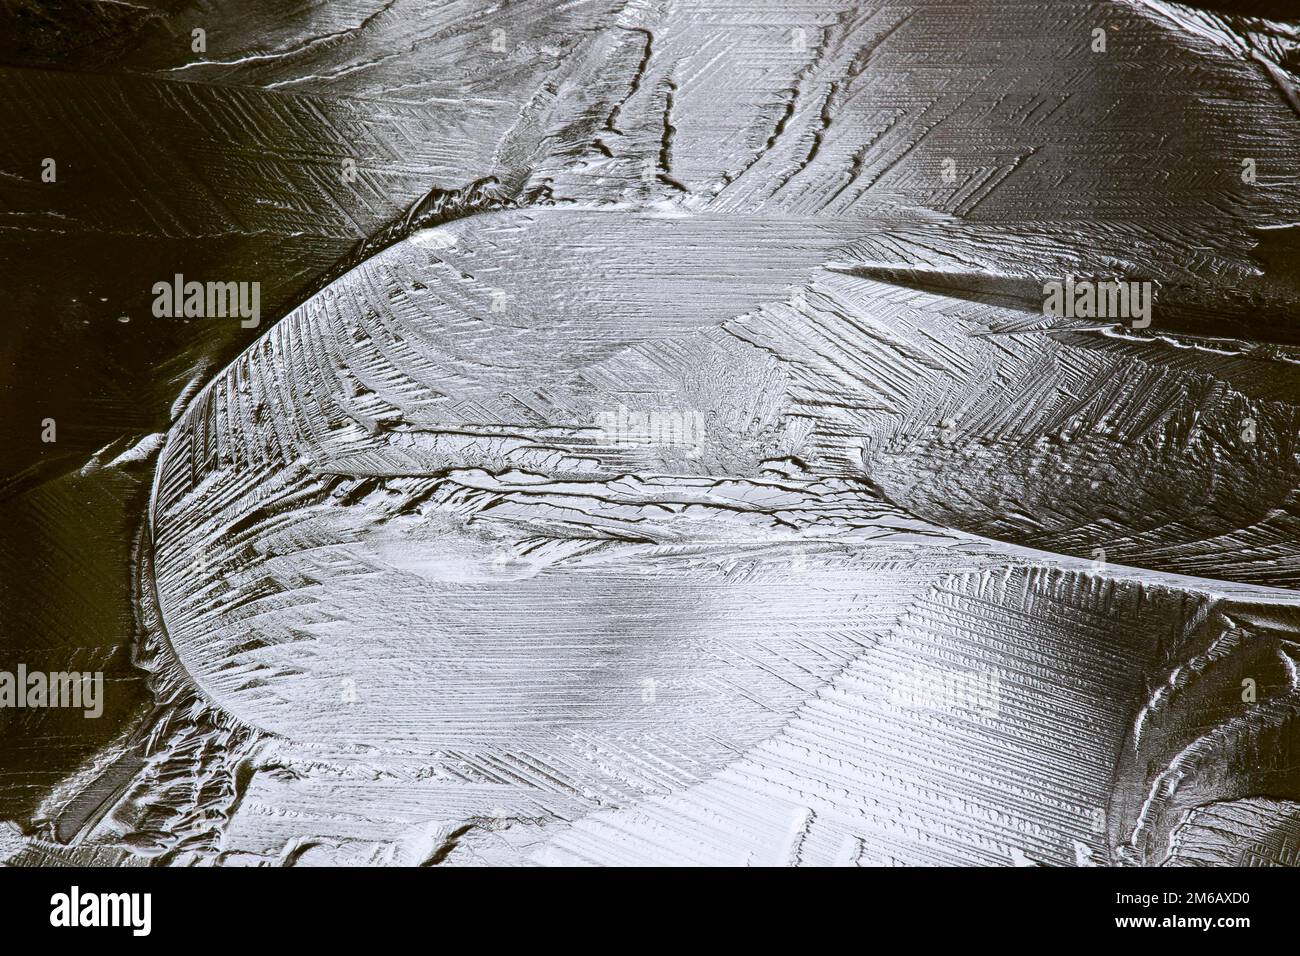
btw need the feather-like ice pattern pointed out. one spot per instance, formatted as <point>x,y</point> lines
<point>688,473</point>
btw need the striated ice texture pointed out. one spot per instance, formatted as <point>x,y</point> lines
<point>670,461</point>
